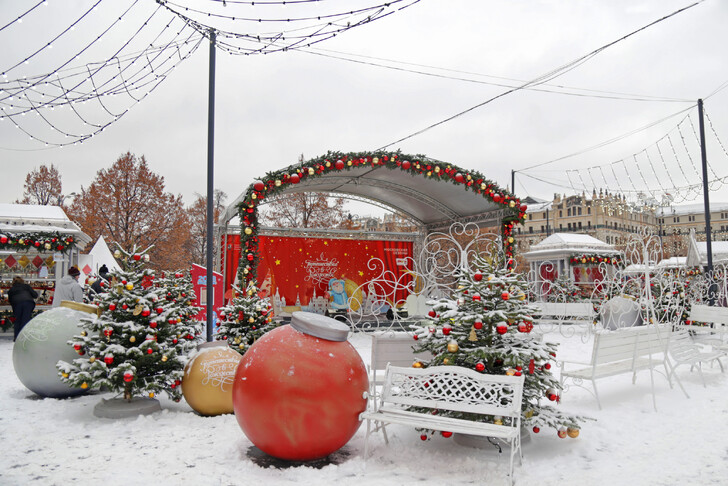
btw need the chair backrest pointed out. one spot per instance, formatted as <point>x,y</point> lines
<point>565,309</point>
<point>629,342</point>
<point>454,388</point>
<point>396,348</point>
<point>708,313</point>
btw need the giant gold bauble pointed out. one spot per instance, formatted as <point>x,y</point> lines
<point>208,379</point>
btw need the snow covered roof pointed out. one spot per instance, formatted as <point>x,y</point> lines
<point>34,218</point>
<point>672,262</point>
<point>560,245</point>
<point>690,209</point>
<point>698,252</point>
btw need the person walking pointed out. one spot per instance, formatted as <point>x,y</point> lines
<point>68,288</point>
<point>22,299</point>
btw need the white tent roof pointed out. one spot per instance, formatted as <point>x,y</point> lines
<point>32,218</point>
<point>698,252</point>
<point>559,245</point>
<point>103,256</point>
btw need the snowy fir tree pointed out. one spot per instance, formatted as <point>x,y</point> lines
<point>487,327</point>
<point>139,343</point>
<point>564,290</point>
<point>245,319</point>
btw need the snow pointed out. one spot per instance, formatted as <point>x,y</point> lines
<point>60,442</point>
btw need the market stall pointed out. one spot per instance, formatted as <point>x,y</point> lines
<point>577,258</point>
<point>37,243</point>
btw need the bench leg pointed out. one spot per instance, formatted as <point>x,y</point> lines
<point>366,440</point>
<point>670,369</point>
<point>596,394</point>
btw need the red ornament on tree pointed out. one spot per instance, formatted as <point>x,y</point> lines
<point>150,350</point>
<point>446,434</point>
<point>446,330</point>
<point>137,257</point>
<point>501,328</point>
<point>432,314</point>
<point>536,430</point>
<point>477,276</point>
<point>476,297</point>
<point>128,376</point>
<point>480,367</point>
<point>478,325</point>
<point>108,359</point>
<point>112,307</point>
<point>505,296</point>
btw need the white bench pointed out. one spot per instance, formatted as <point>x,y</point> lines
<point>683,350</point>
<point>717,317</point>
<point>450,388</point>
<point>565,312</point>
<point>625,350</point>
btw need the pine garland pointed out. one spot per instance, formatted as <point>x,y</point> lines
<point>578,259</point>
<point>41,241</point>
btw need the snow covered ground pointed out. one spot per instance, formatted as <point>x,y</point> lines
<point>60,442</point>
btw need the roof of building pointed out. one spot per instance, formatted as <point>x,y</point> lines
<point>32,218</point>
<point>698,252</point>
<point>685,209</point>
<point>564,244</point>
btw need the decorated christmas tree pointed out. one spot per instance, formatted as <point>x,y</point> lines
<point>139,343</point>
<point>245,319</point>
<point>564,290</point>
<point>487,327</point>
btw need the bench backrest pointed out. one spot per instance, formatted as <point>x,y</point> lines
<point>630,342</point>
<point>396,348</point>
<point>708,313</point>
<point>565,309</point>
<point>454,388</point>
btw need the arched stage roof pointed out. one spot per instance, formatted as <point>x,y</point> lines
<point>432,193</point>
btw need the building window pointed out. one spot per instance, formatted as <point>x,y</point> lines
<point>588,224</point>
<point>530,217</point>
<point>568,212</point>
<point>579,224</point>
<point>561,227</point>
<point>542,229</point>
<point>588,210</point>
<point>561,214</point>
<point>569,226</point>
<point>691,219</point>
<point>530,229</point>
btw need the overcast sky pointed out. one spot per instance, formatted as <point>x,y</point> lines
<point>272,108</point>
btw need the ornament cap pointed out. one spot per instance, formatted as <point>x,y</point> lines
<point>319,326</point>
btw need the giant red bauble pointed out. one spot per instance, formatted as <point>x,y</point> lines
<point>298,397</point>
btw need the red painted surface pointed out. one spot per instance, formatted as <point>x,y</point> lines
<point>298,397</point>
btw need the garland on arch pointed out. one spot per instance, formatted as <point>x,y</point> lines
<point>595,259</point>
<point>416,165</point>
<point>41,241</point>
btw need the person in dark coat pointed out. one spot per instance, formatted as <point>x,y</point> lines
<point>102,281</point>
<point>22,299</point>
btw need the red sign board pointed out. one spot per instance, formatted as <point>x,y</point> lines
<point>301,271</point>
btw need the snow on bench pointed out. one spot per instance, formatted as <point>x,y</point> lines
<point>565,312</point>
<point>626,350</point>
<point>451,388</point>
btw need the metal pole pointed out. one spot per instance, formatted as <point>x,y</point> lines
<point>513,181</point>
<point>706,198</point>
<point>210,186</point>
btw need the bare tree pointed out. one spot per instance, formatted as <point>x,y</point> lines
<point>305,210</point>
<point>43,187</point>
<point>197,214</point>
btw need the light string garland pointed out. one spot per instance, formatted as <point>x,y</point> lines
<point>115,84</point>
<point>595,259</point>
<point>41,241</point>
<point>276,182</point>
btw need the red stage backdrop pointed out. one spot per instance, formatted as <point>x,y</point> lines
<point>299,269</point>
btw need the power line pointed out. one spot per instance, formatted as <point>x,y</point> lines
<point>544,77</point>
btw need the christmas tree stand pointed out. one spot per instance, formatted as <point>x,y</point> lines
<point>480,442</point>
<point>117,408</point>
